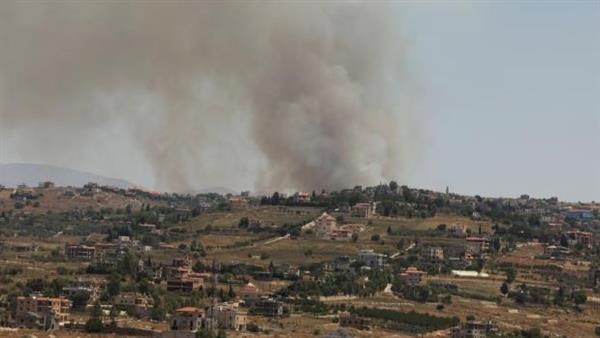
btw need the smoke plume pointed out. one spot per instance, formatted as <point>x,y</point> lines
<point>319,93</point>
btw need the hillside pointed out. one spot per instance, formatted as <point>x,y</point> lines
<point>13,174</point>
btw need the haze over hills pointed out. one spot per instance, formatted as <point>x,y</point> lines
<point>13,174</point>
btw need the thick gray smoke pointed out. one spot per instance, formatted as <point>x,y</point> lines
<point>320,93</point>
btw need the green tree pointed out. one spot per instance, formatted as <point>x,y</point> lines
<point>511,275</point>
<point>113,287</point>
<point>504,288</point>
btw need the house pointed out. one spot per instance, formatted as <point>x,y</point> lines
<point>239,203</point>
<point>477,245</point>
<point>579,214</point>
<point>82,252</point>
<point>351,320</point>
<point>268,307</point>
<point>228,316</point>
<point>339,235</point>
<point>364,210</point>
<point>46,185</point>
<point>475,329</point>
<point>133,302</point>
<point>435,254</point>
<point>184,284</point>
<point>556,251</point>
<point>41,306</point>
<point>249,294</point>
<point>91,288</point>
<point>583,238</point>
<point>185,323</point>
<point>458,229</point>
<point>371,259</point>
<point>323,225</point>
<point>302,197</point>
<point>412,276</point>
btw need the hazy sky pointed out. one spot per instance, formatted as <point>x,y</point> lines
<point>514,95</point>
<point>511,91</point>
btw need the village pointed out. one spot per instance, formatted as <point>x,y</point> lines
<point>386,259</point>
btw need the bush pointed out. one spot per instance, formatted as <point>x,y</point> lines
<point>440,307</point>
<point>252,327</point>
<point>94,325</point>
<point>375,237</point>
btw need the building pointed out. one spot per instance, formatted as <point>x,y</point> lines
<point>477,245</point>
<point>82,252</point>
<point>435,254</point>
<point>351,320</point>
<point>412,276</point>
<point>239,203</point>
<point>371,259</point>
<point>364,210</point>
<point>46,185</point>
<point>458,229</point>
<point>249,294</point>
<point>475,329</point>
<point>583,238</point>
<point>228,316</point>
<point>579,214</point>
<point>268,307</point>
<point>302,197</point>
<point>92,289</point>
<point>321,226</point>
<point>339,235</point>
<point>58,308</point>
<point>184,284</point>
<point>185,323</point>
<point>134,302</point>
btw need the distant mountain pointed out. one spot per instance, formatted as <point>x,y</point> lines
<point>13,174</point>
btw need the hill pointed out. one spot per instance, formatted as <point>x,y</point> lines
<point>13,174</point>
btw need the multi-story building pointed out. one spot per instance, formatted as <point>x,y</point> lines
<point>475,329</point>
<point>583,238</point>
<point>185,323</point>
<point>228,316</point>
<point>268,307</point>
<point>83,252</point>
<point>371,258</point>
<point>350,320</point>
<point>364,210</point>
<point>412,276</point>
<point>56,307</point>
<point>184,284</point>
<point>477,245</point>
<point>133,301</point>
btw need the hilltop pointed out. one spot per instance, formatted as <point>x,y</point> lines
<point>13,174</point>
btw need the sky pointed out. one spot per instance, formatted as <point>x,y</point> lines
<point>510,93</point>
<point>513,91</point>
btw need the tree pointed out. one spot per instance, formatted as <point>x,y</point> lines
<point>113,287</point>
<point>94,325</point>
<point>96,310</point>
<point>354,237</point>
<point>389,230</point>
<point>80,299</point>
<point>393,186</point>
<point>511,274</point>
<point>504,288</point>
<point>579,297</point>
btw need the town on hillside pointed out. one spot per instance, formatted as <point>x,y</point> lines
<point>386,260</point>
